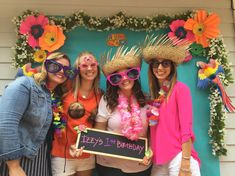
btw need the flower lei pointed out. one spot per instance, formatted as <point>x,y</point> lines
<point>153,110</point>
<point>59,120</point>
<point>131,122</point>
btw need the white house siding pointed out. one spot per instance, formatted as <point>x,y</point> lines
<point>11,8</point>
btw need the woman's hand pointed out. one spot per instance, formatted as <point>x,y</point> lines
<point>14,168</point>
<point>148,157</point>
<point>74,152</point>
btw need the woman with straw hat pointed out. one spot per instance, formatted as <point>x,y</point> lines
<point>122,109</point>
<point>171,134</point>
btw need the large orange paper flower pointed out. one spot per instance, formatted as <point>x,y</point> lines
<point>52,38</point>
<point>203,26</point>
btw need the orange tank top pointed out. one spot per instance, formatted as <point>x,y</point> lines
<point>61,144</point>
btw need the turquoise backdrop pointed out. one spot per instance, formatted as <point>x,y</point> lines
<point>81,39</point>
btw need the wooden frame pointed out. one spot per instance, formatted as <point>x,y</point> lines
<point>118,146</point>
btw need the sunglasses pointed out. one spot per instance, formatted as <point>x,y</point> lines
<point>54,67</point>
<point>84,66</point>
<point>116,78</point>
<point>164,63</point>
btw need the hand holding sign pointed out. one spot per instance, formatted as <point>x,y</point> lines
<point>75,152</point>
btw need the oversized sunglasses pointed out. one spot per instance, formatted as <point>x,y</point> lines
<point>116,78</point>
<point>164,63</point>
<point>54,67</point>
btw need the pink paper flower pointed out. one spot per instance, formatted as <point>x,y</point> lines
<point>34,27</point>
<point>178,30</point>
<point>82,127</point>
<point>188,58</point>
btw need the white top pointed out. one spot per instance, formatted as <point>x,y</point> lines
<point>114,124</point>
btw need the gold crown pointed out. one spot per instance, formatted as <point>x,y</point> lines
<point>123,58</point>
<point>163,47</point>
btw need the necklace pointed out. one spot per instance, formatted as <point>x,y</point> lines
<point>153,109</point>
<point>85,94</point>
<point>59,120</point>
<point>131,122</point>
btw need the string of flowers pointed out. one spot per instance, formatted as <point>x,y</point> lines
<point>59,119</point>
<point>182,27</point>
<point>217,112</point>
<point>131,122</point>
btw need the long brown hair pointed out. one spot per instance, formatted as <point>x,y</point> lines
<point>154,86</point>
<point>111,95</point>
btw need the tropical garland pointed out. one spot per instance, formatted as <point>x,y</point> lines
<point>180,25</point>
<point>153,110</point>
<point>131,121</point>
<point>59,119</point>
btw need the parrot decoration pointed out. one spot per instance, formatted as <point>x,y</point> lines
<point>208,74</point>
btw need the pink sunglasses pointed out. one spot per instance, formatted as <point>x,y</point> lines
<point>116,78</point>
<point>84,66</point>
<point>88,61</point>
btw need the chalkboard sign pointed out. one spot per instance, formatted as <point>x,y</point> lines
<point>111,144</point>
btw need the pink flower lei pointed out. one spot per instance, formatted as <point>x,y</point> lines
<point>131,122</point>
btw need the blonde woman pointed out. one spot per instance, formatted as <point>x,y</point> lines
<point>26,115</point>
<point>80,107</point>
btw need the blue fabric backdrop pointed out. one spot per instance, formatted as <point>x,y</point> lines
<point>81,39</point>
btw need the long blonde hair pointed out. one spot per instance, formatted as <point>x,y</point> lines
<point>76,84</point>
<point>154,86</point>
<point>42,75</point>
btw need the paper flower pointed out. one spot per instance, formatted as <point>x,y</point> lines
<point>52,38</point>
<point>80,128</point>
<point>39,56</point>
<point>196,49</point>
<point>29,71</point>
<point>178,30</point>
<point>204,27</point>
<point>34,27</point>
<point>188,58</point>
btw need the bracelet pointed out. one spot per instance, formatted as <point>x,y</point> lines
<point>186,157</point>
<point>185,170</point>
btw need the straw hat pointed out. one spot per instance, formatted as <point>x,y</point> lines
<point>123,58</point>
<point>163,47</point>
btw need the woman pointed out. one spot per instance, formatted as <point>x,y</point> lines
<point>26,115</point>
<point>122,110</point>
<point>176,155</point>
<point>80,107</point>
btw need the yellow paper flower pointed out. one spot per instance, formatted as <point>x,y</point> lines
<point>52,38</point>
<point>204,27</point>
<point>26,72</point>
<point>40,56</point>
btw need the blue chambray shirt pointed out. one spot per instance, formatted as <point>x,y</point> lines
<point>25,117</point>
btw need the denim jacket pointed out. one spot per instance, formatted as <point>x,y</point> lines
<point>25,117</point>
